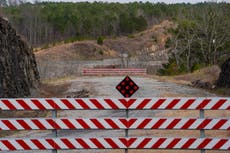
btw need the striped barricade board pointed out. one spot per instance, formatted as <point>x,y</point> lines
<point>122,123</point>
<point>112,103</point>
<point>113,71</point>
<point>114,143</point>
<point>115,123</point>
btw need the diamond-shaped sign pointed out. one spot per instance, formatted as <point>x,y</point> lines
<point>127,87</point>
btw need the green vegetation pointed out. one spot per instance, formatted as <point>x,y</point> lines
<point>100,40</point>
<point>202,38</point>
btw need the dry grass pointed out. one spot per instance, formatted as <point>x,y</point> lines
<point>78,50</point>
<point>208,74</point>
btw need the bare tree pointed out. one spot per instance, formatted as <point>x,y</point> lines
<point>213,32</point>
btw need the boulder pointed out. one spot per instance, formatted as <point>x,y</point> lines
<point>18,68</point>
<point>224,77</point>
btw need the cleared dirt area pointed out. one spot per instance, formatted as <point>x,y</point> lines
<point>105,87</point>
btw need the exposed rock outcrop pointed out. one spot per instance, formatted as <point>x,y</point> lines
<point>224,78</point>
<point>202,84</point>
<point>18,68</point>
<point>79,94</point>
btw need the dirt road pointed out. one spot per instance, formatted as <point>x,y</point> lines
<point>105,87</point>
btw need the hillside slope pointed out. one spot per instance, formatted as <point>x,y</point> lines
<point>145,49</point>
<point>154,38</point>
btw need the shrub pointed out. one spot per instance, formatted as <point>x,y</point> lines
<point>168,43</point>
<point>171,68</point>
<point>100,40</point>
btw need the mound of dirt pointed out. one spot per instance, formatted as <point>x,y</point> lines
<point>84,50</point>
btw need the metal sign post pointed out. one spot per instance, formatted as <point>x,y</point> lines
<point>54,132</point>
<point>127,87</point>
<point>202,132</point>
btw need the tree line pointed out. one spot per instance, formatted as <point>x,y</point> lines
<point>47,22</point>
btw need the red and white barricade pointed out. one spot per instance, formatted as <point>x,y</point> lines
<point>129,123</point>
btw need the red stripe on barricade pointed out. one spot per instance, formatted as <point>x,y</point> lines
<point>188,124</point>
<point>188,143</point>
<point>53,124</point>
<point>82,103</point>
<point>219,103</point>
<point>23,144</point>
<point>68,144</point>
<point>203,104</point>
<point>220,144</point>
<point>97,103</point>
<point>188,103</point>
<point>97,143</point>
<point>143,104</point>
<point>68,123</point>
<point>173,124</point>
<point>23,104</point>
<point>68,104</point>
<point>220,123</point>
<point>24,124</point>
<point>144,142</point>
<point>38,104</point>
<point>53,144</point>
<point>158,124</point>
<point>83,123</point>
<point>39,124</point>
<point>113,124</point>
<point>111,103</point>
<point>9,145</point>
<point>111,142</point>
<point>158,143</point>
<point>53,104</point>
<point>83,143</point>
<point>97,123</point>
<point>158,103</point>
<point>173,103</point>
<point>38,144</point>
<point>8,104</point>
<point>204,143</point>
<point>173,143</point>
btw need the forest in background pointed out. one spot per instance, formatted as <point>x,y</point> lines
<point>201,38</point>
<point>48,22</point>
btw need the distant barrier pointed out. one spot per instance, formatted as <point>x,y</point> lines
<point>113,72</point>
<point>125,123</point>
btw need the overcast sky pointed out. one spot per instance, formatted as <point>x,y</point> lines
<point>154,1</point>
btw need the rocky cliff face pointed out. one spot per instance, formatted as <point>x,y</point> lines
<point>224,78</point>
<point>18,69</point>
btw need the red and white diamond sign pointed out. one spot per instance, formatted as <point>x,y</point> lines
<point>127,87</point>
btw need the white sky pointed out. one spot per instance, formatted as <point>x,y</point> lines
<point>153,1</point>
